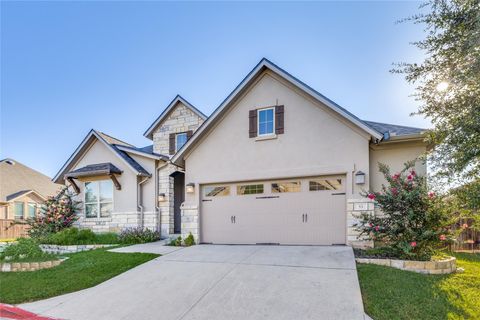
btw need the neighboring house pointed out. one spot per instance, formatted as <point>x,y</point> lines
<point>22,190</point>
<point>276,162</point>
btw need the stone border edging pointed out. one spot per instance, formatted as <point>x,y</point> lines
<point>444,266</point>
<point>29,266</point>
<point>58,249</point>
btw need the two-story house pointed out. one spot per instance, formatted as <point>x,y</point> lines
<point>276,162</point>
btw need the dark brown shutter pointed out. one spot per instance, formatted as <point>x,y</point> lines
<point>171,147</point>
<point>279,119</point>
<point>189,134</point>
<point>252,124</point>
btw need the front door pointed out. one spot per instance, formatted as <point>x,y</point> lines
<point>178,199</point>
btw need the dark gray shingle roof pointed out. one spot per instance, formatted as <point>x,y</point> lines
<point>132,162</point>
<point>393,129</point>
<point>94,169</point>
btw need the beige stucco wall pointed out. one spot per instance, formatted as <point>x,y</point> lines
<point>180,119</point>
<point>316,142</point>
<point>125,211</point>
<point>395,155</point>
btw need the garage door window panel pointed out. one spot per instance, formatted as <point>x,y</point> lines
<point>286,186</point>
<point>325,184</point>
<point>216,191</point>
<point>250,189</point>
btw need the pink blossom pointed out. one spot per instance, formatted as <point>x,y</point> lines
<point>410,177</point>
<point>371,196</point>
<point>431,194</point>
<point>413,244</point>
<point>396,176</point>
<point>394,191</point>
<point>413,173</point>
<point>377,228</point>
<point>370,224</point>
<point>443,237</point>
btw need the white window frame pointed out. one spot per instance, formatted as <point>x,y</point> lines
<point>98,200</point>
<point>176,141</point>
<point>258,121</point>
<point>15,210</point>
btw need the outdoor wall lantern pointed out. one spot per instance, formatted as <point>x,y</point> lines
<point>161,197</point>
<point>190,188</point>
<point>360,177</point>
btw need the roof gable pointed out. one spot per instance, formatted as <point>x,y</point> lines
<point>111,144</point>
<point>263,65</point>
<point>171,106</point>
<point>18,178</point>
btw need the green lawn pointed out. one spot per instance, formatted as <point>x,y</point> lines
<point>82,270</point>
<point>395,294</point>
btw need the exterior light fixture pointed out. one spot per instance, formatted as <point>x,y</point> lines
<point>360,177</point>
<point>190,188</point>
<point>161,197</point>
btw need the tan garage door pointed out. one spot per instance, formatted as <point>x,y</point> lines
<point>287,211</point>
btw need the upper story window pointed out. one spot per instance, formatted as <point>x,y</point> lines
<point>266,122</point>
<point>98,199</point>
<point>19,210</point>
<point>180,140</point>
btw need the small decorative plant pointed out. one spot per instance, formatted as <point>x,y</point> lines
<point>413,224</point>
<point>189,240</point>
<point>138,235</point>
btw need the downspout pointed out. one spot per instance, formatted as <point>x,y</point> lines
<point>140,200</point>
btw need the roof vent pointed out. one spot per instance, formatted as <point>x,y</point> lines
<point>10,162</point>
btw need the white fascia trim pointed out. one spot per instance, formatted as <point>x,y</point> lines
<point>26,194</point>
<point>250,76</point>
<point>165,112</point>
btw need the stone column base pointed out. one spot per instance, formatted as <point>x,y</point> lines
<point>190,222</point>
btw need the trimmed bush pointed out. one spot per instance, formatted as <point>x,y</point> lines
<point>72,236</point>
<point>189,240</point>
<point>138,235</point>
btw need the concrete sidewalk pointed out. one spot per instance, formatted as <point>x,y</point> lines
<point>223,282</point>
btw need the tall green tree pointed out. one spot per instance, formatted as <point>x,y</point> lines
<point>448,85</point>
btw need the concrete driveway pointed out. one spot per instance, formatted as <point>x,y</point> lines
<point>223,282</point>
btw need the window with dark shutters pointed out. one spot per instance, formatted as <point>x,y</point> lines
<point>252,117</point>
<point>171,146</point>
<point>279,119</point>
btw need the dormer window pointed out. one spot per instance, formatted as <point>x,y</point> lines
<point>266,121</point>
<point>180,140</point>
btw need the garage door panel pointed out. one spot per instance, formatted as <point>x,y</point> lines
<point>300,217</point>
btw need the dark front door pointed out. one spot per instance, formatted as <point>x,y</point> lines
<point>178,198</point>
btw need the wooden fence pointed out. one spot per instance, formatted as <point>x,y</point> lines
<point>8,230</point>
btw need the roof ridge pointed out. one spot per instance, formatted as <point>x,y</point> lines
<point>112,137</point>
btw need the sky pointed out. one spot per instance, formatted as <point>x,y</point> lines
<point>68,67</point>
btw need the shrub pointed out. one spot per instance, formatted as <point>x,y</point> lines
<point>57,213</point>
<point>176,242</point>
<point>413,224</point>
<point>138,235</point>
<point>189,240</point>
<point>24,249</point>
<point>73,236</point>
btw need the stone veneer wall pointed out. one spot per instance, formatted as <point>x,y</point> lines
<point>29,266</point>
<point>444,266</point>
<point>57,249</point>
<point>356,207</point>
<point>190,221</point>
<point>119,221</point>
<point>180,119</point>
